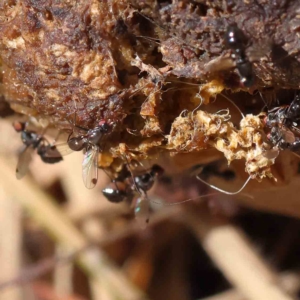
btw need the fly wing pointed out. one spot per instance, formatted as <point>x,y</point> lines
<point>90,167</point>
<point>24,160</point>
<point>142,211</point>
<point>268,154</point>
<point>61,149</point>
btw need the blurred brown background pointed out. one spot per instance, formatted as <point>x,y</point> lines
<point>62,241</point>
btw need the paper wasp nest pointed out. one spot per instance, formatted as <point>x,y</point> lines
<point>145,67</point>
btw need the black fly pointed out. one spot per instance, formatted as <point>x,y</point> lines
<point>89,143</point>
<point>33,141</point>
<point>125,187</point>
<point>284,122</point>
<point>119,189</point>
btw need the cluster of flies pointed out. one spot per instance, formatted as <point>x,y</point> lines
<point>123,188</point>
<point>127,186</point>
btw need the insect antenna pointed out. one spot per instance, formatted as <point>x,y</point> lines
<point>264,101</point>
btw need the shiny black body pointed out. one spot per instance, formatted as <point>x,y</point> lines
<point>93,136</point>
<point>126,184</point>
<point>116,193</point>
<point>38,142</point>
<point>145,181</point>
<point>288,115</point>
<point>284,139</point>
<point>236,41</point>
<point>284,123</point>
<point>89,142</point>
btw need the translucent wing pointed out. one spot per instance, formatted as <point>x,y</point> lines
<point>90,167</point>
<point>142,211</point>
<point>24,160</point>
<point>62,149</point>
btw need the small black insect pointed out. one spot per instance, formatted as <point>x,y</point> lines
<point>33,141</point>
<point>126,184</point>
<point>285,115</point>
<point>283,138</point>
<point>117,191</point>
<point>89,143</point>
<point>92,137</point>
<point>284,124</point>
<point>237,42</point>
<point>145,181</point>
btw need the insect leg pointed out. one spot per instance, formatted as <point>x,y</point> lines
<point>223,191</point>
<point>295,146</point>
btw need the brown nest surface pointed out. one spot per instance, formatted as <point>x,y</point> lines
<point>151,69</point>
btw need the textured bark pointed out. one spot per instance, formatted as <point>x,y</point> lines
<point>194,35</point>
<point>145,66</point>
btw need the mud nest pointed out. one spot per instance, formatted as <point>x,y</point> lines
<point>159,72</point>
